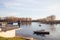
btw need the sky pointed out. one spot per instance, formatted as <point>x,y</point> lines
<point>30,8</point>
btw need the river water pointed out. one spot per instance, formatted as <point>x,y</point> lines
<point>29,28</point>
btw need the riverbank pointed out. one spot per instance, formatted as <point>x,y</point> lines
<point>14,38</point>
<point>17,38</point>
<point>26,37</point>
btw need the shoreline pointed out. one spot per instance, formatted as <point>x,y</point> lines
<point>27,38</point>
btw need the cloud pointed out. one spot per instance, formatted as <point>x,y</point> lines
<point>24,3</point>
<point>54,9</point>
<point>33,8</point>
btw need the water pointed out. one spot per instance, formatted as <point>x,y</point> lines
<point>29,28</point>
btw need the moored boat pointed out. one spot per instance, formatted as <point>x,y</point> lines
<point>41,32</point>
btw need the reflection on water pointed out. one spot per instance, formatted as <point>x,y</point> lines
<point>28,28</point>
<point>25,23</point>
<point>52,28</point>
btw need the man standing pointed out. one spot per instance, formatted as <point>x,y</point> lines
<point>19,23</point>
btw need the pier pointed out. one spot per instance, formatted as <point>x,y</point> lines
<point>7,30</point>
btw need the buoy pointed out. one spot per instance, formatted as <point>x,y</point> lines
<point>39,25</point>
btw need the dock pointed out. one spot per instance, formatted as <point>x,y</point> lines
<point>8,31</point>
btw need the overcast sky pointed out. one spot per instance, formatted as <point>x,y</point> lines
<point>30,8</point>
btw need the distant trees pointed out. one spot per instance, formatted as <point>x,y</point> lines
<point>49,18</point>
<point>26,19</point>
<point>14,19</point>
<point>11,19</point>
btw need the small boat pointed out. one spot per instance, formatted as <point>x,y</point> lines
<point>38,32</point>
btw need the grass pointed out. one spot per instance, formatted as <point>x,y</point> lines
<point>14,38</point>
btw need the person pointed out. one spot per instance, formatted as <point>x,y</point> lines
<point>19,23</point>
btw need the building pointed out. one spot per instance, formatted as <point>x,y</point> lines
<point>8,31</point>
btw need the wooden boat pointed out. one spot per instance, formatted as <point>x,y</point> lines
<point>38,32</point>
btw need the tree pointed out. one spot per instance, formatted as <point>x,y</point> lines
<point>51,18</point>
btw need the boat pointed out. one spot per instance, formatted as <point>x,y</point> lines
<point>38,32</point>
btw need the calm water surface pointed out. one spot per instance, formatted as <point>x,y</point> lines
<point>28,28</point>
